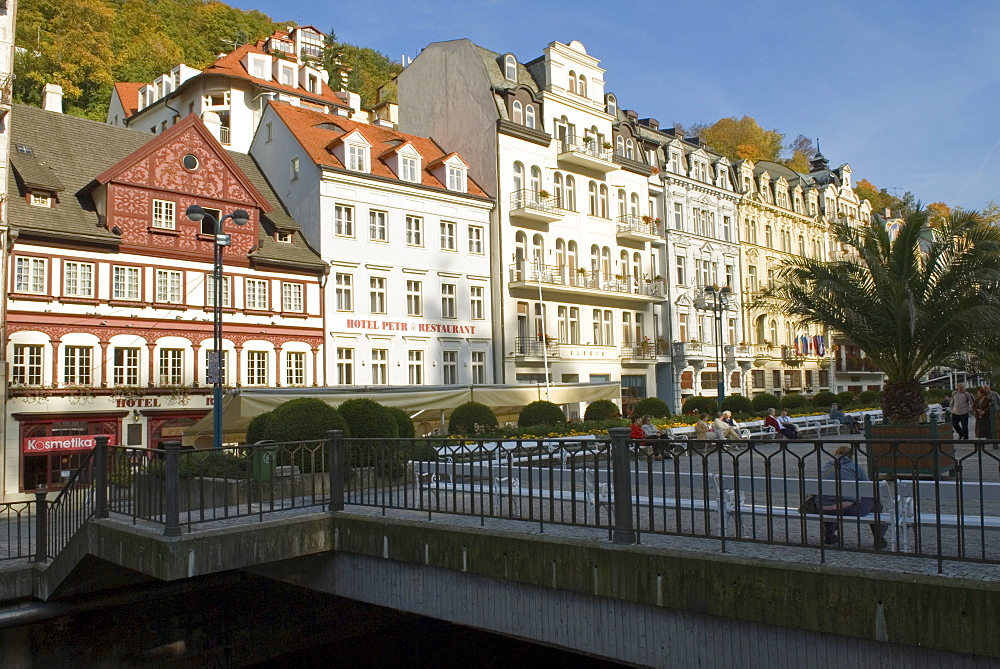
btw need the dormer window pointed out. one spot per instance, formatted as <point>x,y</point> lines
<point>287,75</point>
<point>529,116</point>
<point>283,237</point>
<point>629,150</point>
<point>517,112</point>
<point>357,158</point>
<point>456,178</point>
<point>40,199</point>
<point>612,106</point>
<point>510,67</point>
<point>409,168</point>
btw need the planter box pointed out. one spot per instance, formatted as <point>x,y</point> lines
<point>899,460</point>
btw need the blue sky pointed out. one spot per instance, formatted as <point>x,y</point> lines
<point>903,91</point>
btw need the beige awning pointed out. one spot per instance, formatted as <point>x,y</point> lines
<point>431,404</point>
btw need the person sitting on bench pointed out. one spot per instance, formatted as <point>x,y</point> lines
<point>702,429</point>
<point>846,504</point>
<point>726,426</point>
<point>837,414</point>
<point>789,431</point>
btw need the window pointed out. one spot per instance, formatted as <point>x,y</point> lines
<point>678,216</point>
<point>592,200</point>
<point>345,366</point>
<point>270,131</point>
<point>79,279</point>
<point>168,286</point>
<point>448,236</point>
<point>570,193</point>
<point>456,179</point>
<point>377,229</point>
<point>125,368</point>
<point>213,369</point>
<point>208,223</point>
<point>768,237</point>
<point>257,297</point>
<point>343,220</point>
<point>171,366</point>
<point>529,116</point>
<point>729,275</point>
<point>377,294</point>
<point>26,368</point>
<point>29,275</point>
<point>344,289</point>
<point>727,225</point>
<point>414,301</point>
<point>295,169</point>
<point>36,199</point>
<point>287,76</point>
<point>415,367</point>
<point>478,301</point>
<point>380,366</point>
<point>163,215</point>
<point>475,240</point>
<point>510,68</point>
<point>259,68</point>
<point>449,367</point>
<point>210,291</point>
<point>574,325</point>
<point>76,365</point>
<point>479,367</point>
<point>414,231</point>
<point>517,112</point>
<point>357,157</point>
<point>681,271</point>
<point>752,278</point>
<point>448,303</point>
<point>256,368</point>
<point>125,283</point>
<point>408,169</point>
<point>612,106</point>
<point>291,297</point>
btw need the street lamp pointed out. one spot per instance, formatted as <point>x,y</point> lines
<point>719,304</point>
<point>239,217</point>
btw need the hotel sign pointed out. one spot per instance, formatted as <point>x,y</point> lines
<point>404,326</point>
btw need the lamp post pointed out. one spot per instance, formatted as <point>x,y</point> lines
<point>719,304</point>
<point>215,371</point>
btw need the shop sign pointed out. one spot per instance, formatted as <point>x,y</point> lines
<point>78,442</point>
<point>397,326</point>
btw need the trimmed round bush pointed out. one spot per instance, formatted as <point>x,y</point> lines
<point>419,450</point>
<point>764,401</point>
<point>541,413</point>
<point>823,400</point>
<point>794,401</point>
<point>368,419</point>
<point>304,419</point>
<point>257,428</point>
<point>699,404</point>
<point>845,398</point>
<point>737,404</point>
<point>466,417</point>
<point>403,422</point>
<point>653,406</point>
<point>601,410</point>
<point>869,397</point>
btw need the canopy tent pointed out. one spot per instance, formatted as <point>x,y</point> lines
<point>422,403</point>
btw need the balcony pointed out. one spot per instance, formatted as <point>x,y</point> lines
<point>310,51</point>
<point>856,364</point>
<point>564,280</point>
<point>224,135</point>
<point>536,347</point>
<point>535,205</point>
<point>791,356</point>
<point>739,351</point>
<point>635,228</point>
<point>693,349</point>
<point>644,350</point>
<point>587,154</point>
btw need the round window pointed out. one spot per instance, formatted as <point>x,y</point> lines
<point>190,161</point>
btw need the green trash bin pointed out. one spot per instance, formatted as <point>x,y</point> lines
<point>265,456</point>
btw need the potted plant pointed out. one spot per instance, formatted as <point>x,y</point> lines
<point>606,145</point>
<point>544,194</point>
<point>587,139</point>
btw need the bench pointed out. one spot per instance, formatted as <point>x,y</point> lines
<point>736,489</point>
<point>922,498</point>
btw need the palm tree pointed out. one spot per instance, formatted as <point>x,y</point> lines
<point>910,302</point>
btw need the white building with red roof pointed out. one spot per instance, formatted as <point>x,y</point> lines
<point>230,94</point>
<point>407,234</point>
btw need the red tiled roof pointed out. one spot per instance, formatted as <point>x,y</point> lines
<point>312,130</point>
<point>128,94</point>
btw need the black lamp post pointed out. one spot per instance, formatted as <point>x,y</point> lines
<point>215,371</point>
<point>719,304</point>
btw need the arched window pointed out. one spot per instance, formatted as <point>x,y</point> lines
<point>621,203</point>
<point>612,106</point>
<point>581,88</point>
<point>529,116</point>
<point>626,327</point>
<point>561,254</point>
<point>604,201</point>
<point>802,245</point>
<point>606,261</point>
<point>593,198</point>
<point>623,264</point>
<point>759,330</point>
<point>774,332</point>
<point>557,187</point>
<point>535,182</point>
<point>572,262</point>
<point>636,266</point>
<point>788,334</point>
<point>629,149</point>
<point>595,259</point>
<point>620,145</point>
<point>537,250</point>
<point>598,332</point>
<point>570,192</point>
<point>517,114</point>
<point>510,68</point>
<point>518,177</point>
<point>768,237</point>
<point>572,81</point>
<point>634,205</point>
<point>520,248</point>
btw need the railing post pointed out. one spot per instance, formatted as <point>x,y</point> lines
<point>621,474</point>
<point>335,468</point>
<point>101,476</point>
<point>172,471</point>
<point>41,527</point>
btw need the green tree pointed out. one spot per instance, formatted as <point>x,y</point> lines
<point>910,303</point>
<point>743,138</point>
<point>802,150</point>
<point>140,40</point>
<point>368,69</point>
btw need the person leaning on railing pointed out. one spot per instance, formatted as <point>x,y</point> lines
<point>846,504</point>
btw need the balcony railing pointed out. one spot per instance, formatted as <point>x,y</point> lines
<point>591,148</point>
<point>642,351</point>
<point>563,275</point>
<point>224,135</point>
<point>739,351</point>
<point>685,349</point>
<point>854,364</point>
<point>310,51</point>
<point>640,225</point>
<point>536,347</point>
<point>535,205</point>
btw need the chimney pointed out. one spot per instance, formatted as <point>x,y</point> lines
<point>52,98</point>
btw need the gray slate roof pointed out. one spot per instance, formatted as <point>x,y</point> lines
<point>70,152</point>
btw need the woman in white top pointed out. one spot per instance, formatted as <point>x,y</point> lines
<point>726,426</point>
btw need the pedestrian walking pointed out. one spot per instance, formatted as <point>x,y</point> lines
<point>961,405</point>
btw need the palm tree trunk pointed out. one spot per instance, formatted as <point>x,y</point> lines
<point>903,401</point>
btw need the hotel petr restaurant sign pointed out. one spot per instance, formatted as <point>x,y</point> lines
<point>414,327</point>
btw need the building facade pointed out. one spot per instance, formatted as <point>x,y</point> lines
<point>110,306</point>
<point>406,233</point>
<point>574,235</point>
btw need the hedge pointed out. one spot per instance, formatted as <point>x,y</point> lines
<point>764,401</point>
<point>403,422</point>
<point>738,404</point>
<point>823,400</point>
<point>869,397</point>
<point>541,413</point>
<point>367,419</point>
<point>845,399</point>
<point>652,406</point>
<point>699,404</point>
<point>601,410</point>
<point>472,418</point>
<point>304,419</point>
<point>257,428</point>
<point>794,401</point>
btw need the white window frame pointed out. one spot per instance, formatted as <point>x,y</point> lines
<point>380,366</point>
<point>257,368</point>
<point>30,275</point>
<point>126,283</point>
<point>377,294</point>
<point>449,367</point>
<point>357,157</point>
<point>164,215</point>
<point>27,365</point>
<point>295,368</point>
<point>227,291</point>
<point>476,240</point>
<point>38,199</point>
<point>414,298</point>
<point>409,169</point>
<point>478,367</point>
<point>414,230</point>
<point>477,302</point>
<point>77,365</point>
<point>78,279</point>
<point>257,295</point>
<point>449,236</point>
<point>169,286</point>
<point>456,178</point>
<point>344,291</point>
<point>378,226</point>
<point>125,365</point>
<point>170,370</point>
<point>415,367</point>
<point>449,300</point>
<point>292,297</point>
<point>345,366</point>
<point>343,220</point>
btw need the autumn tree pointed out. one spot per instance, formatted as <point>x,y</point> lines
<point>802,151</point>
<point>938,213</point>
<point>743,138</point>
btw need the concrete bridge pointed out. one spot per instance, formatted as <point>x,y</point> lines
<point>668,601</point>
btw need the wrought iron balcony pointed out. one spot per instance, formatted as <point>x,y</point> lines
<point>535,206</point>
<point>589,154</point>
<point>644,350</point>
<point>639,228</point>
<point>564,279</point>
<point>536,347</point>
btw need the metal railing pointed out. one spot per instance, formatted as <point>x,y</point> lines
<point>591,148</point>
<point>533,199</point>
<point>563,275</point>
<point>224,132</point>
<point>75,504</point>
<point>536,347</point>
<point>641,351</point>
<point>643,225</point>
<point>18,529</point>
